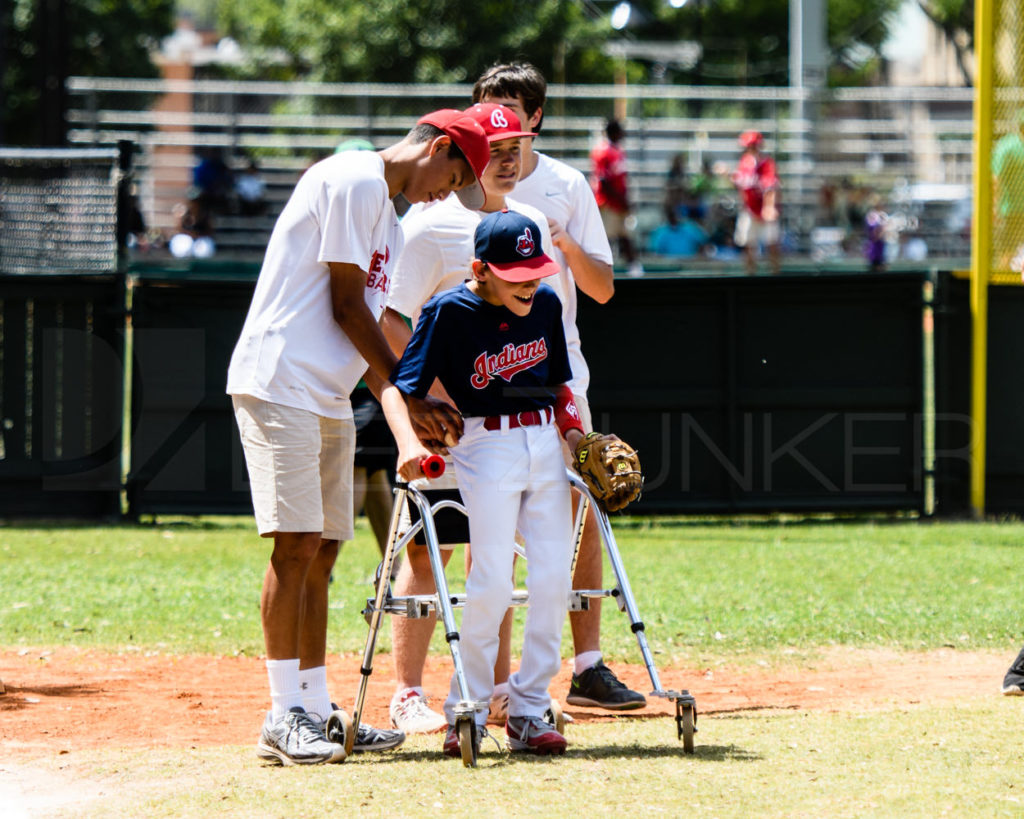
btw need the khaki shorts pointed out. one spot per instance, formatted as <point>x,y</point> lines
<point>300,468</point>
<point>755,231</point>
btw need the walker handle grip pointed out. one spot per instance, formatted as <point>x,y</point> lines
<point>432,466</point>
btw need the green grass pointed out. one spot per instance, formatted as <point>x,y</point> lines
<point>905,762</point>
<point>708,592</point>
<point>192,586</point>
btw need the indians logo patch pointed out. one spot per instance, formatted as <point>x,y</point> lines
<point>524,243</point>
<point>514,358</point>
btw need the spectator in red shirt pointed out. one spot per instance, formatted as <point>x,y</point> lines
<point>608,162</point>
<point>758,219</point>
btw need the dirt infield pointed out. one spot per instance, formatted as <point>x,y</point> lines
<point>66,700</point>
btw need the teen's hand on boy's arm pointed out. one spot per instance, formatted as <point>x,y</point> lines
<point>437,423</point>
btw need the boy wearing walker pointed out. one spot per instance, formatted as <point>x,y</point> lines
<point>498,347</point>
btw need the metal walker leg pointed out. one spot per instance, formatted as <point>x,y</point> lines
<point>442,601</point>
<point>685,704</point>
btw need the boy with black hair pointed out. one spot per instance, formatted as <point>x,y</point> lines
<point>310,333</point>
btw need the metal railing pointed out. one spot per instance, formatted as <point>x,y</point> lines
<point>855,145</point>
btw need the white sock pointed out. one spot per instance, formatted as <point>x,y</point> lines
<point>585,660</point>
<point>284,686</point>
<point>315,699</point>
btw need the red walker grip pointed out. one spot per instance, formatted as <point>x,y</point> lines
<point>432,466</point>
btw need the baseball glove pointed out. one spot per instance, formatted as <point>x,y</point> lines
<point>611,470</point>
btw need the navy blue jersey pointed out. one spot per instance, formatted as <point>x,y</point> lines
<point>491,361</point>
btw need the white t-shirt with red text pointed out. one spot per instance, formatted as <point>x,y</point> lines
<point>291,350</point>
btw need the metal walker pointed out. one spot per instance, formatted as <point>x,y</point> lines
<point>444,603</point>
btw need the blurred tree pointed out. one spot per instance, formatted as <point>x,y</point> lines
<point>423,40</point>
<point>45,41</point>
<point>744,41</point>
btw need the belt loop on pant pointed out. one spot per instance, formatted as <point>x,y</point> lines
<point>529,418</point>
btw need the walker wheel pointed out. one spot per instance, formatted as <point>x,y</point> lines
<point>467,741</point>
<point>686,715</point>
<point>555,716</point>
<point>339,729</point>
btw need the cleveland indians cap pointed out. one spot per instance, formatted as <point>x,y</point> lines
<point>472,141</point>
<point>498,121</point>
<point>509,243</point>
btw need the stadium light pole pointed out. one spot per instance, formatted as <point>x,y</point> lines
<point>808,64</point>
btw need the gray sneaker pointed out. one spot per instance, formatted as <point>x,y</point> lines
<point>296,739</point>
<point>368,738</point>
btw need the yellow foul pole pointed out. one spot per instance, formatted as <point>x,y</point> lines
<point>981,244</point>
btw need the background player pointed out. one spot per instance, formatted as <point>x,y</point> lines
<point>498,348</point>
<point>309,335</point>
<point>437,255</point>
<point>758,220</point>
<point>582,251</point>
<point>611,190</point>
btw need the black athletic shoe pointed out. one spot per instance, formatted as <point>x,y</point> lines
<point>367,737</point>
<point>1013,682</point>
<point>598,687</point>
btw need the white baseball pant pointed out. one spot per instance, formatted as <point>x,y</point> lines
<point>513,479</point>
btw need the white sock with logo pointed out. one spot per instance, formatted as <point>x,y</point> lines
<point>284,686</point>
<point>315,699</point>
<point>585,660</point>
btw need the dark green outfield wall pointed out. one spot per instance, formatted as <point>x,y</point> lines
<point>803,392</point>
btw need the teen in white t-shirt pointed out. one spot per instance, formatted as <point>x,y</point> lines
<point>311,331</point>
<point>291,350</point>
<point>565,197</point>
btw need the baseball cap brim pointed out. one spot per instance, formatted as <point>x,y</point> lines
<point>467,134</point>
<point>472,196</point>
<point>539,267</point>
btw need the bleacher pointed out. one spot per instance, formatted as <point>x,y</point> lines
<point>891,141</point>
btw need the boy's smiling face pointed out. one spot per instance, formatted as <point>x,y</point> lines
<point>515,296</point>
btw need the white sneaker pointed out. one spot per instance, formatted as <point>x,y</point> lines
<point>411,714</point>
<point>635,271</point>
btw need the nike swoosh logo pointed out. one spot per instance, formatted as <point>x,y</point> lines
<point>551,193</point>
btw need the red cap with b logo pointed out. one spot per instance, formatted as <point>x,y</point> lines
<point>497,121</point>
